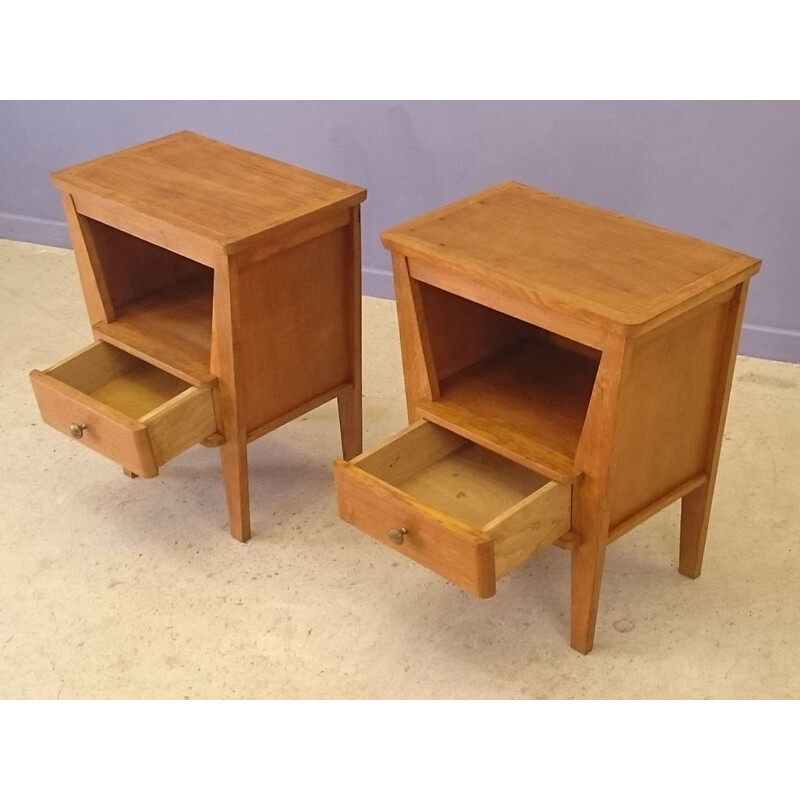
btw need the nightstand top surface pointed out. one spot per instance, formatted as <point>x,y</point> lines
<point>213,190</point>
<point>569,257</point>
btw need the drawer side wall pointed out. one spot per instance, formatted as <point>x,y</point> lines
<point>182,422</point>
<point>530,526</point>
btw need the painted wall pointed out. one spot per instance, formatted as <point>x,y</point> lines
<point>728,172</point>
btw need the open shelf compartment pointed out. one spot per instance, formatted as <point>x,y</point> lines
<point>516,389</point>
<point>161,302</point>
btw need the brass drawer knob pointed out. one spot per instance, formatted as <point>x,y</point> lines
<point>397,535</point>
<point>77,430</point>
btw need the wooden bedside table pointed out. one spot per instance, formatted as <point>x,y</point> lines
<point>567,373</point>
<point>224,291</point>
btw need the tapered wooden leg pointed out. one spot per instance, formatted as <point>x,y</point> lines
<point>350,423</point>
<point>590,496</point>
<point>587,574</point>
<point>228,397</point>
<point>237,491</point>
<point>128,473</point>
<point>695,513</point>
<point>350,402</point>
<point>696,506</point>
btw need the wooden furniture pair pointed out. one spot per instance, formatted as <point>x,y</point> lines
<point>567,373</point>
<point>224,293</point>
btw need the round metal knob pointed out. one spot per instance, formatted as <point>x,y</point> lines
<point>396,535</point>
<point>77,430</point>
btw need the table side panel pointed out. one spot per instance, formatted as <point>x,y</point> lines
<point>295,335</point>
<point>666,409</point>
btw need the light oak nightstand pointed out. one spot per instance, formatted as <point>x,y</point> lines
<point>223,290</point>
<point>567,373</point>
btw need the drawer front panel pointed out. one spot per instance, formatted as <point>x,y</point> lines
<point>440,543</point>
<point>107,432</point>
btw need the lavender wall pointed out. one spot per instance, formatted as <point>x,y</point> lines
<point>728,172</point>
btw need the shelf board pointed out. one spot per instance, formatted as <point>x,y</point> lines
<point>171,329</point>
<point>527,402</point>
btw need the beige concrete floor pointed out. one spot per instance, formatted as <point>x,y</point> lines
<point>113,588</point>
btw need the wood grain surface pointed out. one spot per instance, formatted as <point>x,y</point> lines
<point>204,189</point>
<point>574,258</point>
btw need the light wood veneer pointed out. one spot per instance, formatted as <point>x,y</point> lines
<point>233,275</point>
<point>551,336</point>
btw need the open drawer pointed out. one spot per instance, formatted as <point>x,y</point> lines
<point>455,507</point>
<point>125,408</point>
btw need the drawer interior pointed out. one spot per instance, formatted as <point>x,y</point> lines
<point>119,380</point>
<point>451,474</point>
